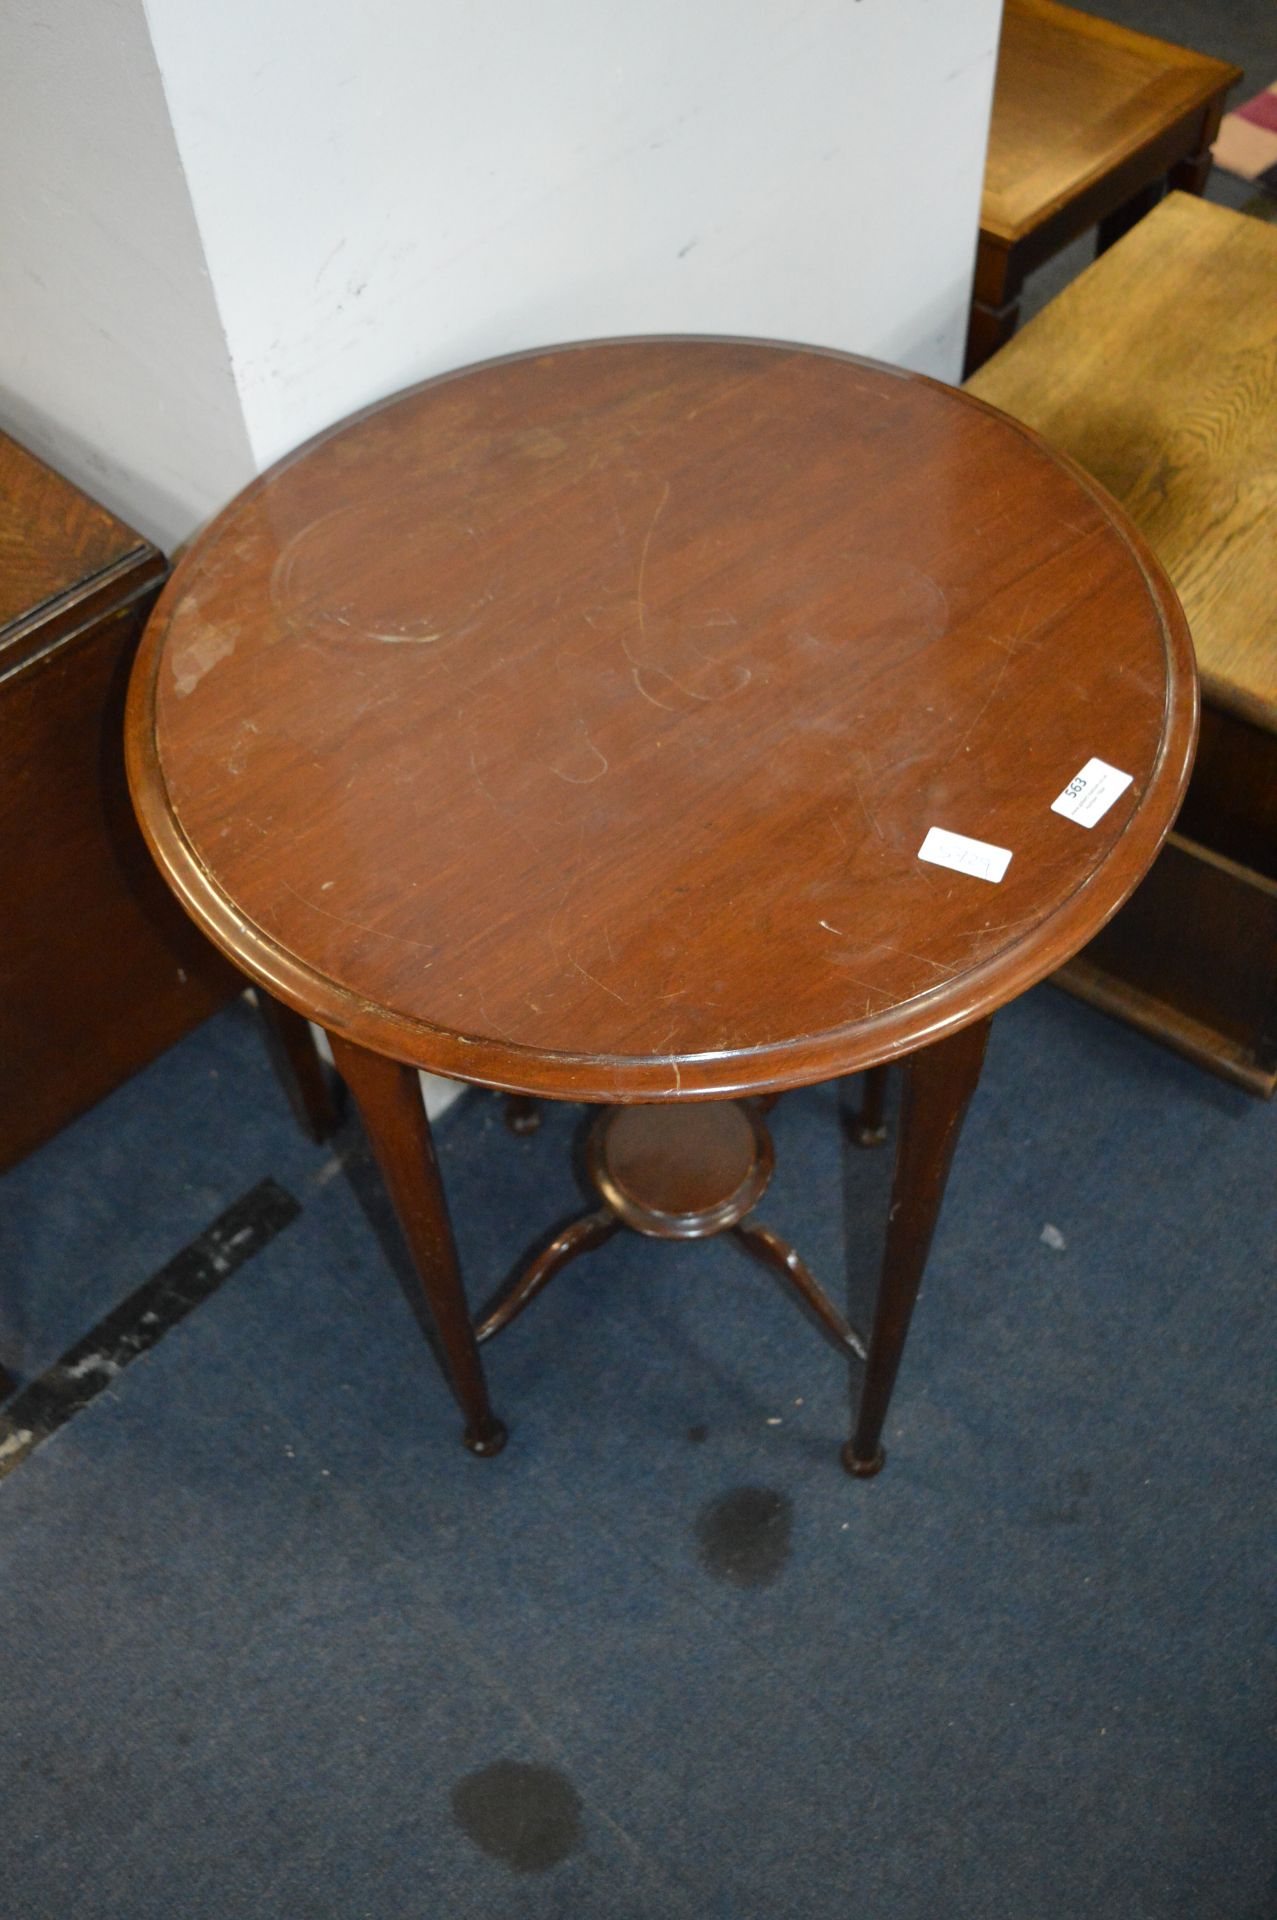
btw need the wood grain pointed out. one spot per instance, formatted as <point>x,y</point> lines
<point>1157,371</point>
<point>1090,124</point>
<point>1074,99</point>
<point>571,724</point>
<point>54,544</point>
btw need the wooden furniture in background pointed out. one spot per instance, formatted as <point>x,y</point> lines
<point>1157,370</point>
<point>100,970</point>
<point>1090,122</point>
<point>572,725</point>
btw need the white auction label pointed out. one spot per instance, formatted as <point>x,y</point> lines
<point>976,857</point>
<point>1088,796</point>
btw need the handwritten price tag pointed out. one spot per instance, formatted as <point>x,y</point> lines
<point>976,857</point>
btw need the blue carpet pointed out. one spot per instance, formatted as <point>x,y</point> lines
<point>274,1644</point>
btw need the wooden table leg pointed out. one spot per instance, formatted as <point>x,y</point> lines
<point>1191,174</point>
<point>939,1082</point>
<point>298,1066</point>
<point>1123,218</point>
<point>995,304</point>
<point>522,1113</point>
<point>867,1123</point>
<point>388,1096</point>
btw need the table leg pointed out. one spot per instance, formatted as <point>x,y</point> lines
<point>788,1263</point>
<point>298,1066</point>
<point>388,1096</point>
<point>582,1236</point>
<point>1191,174</point>
<point>939,1082</point>
<point>988,329</point>
<point>867,1123</point>
<point>1123,218</point>
<point>995,304</point>
<point>522,1113</point>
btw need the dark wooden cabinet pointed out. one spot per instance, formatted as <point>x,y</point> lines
<point>1192,958</point>
<point>100,969</point>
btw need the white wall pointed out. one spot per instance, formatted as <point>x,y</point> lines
<point>387,189</point>
<point>222,226</point>
<point>113,365</point>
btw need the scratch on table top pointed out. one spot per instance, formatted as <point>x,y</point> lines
<point>377,933</point>
<point>1004,926</point>
<point>987,702</point>
<point>235,759</point>
<point>636,675</point>
<point>1025,626</point>
<point>939,966</point>
<point>505,813</point>
<point>905,953</point>
<point>595,773</point>
<point>552,933</point>
<point>586,974</point>
<point>867,987</point>
<point>870,816</point>
<point>641,583</point>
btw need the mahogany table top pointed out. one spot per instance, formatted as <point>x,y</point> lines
<point>572,723</point>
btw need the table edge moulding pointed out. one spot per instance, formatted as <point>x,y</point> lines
<point>509,1067</point>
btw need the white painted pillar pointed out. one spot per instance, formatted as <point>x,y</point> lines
<point>221,227</point>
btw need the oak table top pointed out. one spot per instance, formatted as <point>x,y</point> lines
<point>572,724</point>
<point>1157,371</point>
<point>1074,98</point>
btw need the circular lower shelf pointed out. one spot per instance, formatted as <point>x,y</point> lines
<point>681,1173</point>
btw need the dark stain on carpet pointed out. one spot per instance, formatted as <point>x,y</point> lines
<point>743,1537</point>
<point>529,1817</point>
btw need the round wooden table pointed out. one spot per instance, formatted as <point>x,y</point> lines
<point>572,724</point>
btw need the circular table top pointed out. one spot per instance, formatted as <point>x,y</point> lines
<point>572,723</point>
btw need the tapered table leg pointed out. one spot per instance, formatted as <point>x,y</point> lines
<point>867,1123</point>
<point>296,1061</point>
<point>389,1100</point>
<point>939,1083</point>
